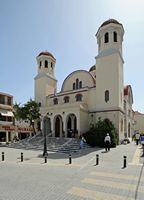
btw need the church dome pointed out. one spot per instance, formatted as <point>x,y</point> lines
<point>109,21</point>
<point>92,68</point>
<point>46,53</point>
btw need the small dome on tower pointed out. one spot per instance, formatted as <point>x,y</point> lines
<point>92,68</point>
<point>46,53</point>
<point>109,21</point>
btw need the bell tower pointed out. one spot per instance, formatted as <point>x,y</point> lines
<point>109,66</point>
<point>109,74</point>
<point>45,82</point>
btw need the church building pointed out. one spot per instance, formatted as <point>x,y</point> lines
<point>89,94</point>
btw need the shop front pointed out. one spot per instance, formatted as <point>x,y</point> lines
<point>10,133</point>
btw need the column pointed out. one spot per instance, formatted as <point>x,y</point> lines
<point>72,123</point>
<point>61,127</point>
<point>78,125</point>
<point>52,127</point>
<point>64,127</point>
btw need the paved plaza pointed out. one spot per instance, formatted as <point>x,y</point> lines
<point>33,179</point>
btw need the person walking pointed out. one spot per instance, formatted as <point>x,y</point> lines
<point>82,141</point>
<point>107,142</point>
<point>142,143</point>
<point>137,137</point>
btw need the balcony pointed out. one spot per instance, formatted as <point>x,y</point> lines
<point>5,106</point>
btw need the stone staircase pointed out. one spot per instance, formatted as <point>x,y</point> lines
<point>55,144</point>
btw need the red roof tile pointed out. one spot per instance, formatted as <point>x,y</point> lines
<point>46,53</point>
<point>110,21</point>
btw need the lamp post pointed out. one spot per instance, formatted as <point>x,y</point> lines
<point>45,130</point>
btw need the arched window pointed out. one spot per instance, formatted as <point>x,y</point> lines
<point>40,64</point>
<point>55,101</point>
<point>77,82</point>
<point>46,64</point>
<point>115,36</point>
<point>51,65</point>
<point>74,87</point>
<point>66,99</point>
<point>78,97</point>
<point>106,37</point>
<point>80,84</point>
<point>106,96</point>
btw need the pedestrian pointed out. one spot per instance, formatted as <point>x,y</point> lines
<point>142,142</point>
<point>82,141</point>
<point>137,138</point>
<point>107,142</point>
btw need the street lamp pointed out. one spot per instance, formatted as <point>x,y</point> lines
<point>45,130</point>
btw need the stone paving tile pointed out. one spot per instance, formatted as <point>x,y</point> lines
<point>82,180</point>
<point>91,194</point>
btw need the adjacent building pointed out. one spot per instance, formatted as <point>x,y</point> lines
<point>139,122</point>
<point>9,127</point>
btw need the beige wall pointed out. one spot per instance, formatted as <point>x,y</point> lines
<point>139,122</point>
<point>84,126</point>
<point>108,71</point>
<point>44,86</point>
<point>82,75</point>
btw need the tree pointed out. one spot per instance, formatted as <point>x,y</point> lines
<point>29,111</point>
<point>95,136</point>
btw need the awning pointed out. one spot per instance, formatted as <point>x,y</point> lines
<point>6,113</point>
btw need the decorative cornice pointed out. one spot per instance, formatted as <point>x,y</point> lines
<point>108,110</point>
<point>109,51</point>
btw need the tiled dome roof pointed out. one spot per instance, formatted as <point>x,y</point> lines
<point>126,90</point>
<point>46,53</point>
<point>110,21</point>
<point>92,68</point>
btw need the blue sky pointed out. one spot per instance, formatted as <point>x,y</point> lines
<point>66,28</point>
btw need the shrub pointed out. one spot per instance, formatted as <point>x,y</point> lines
<point>95,136</point>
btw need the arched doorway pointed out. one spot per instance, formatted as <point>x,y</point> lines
<point>71,125</point>
<point>58,126</point>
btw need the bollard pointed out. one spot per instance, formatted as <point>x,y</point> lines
<point>2,156</point>
<point>21,157</point>
<point>97,159</point>
<point>45,157</point>
<point>70,159</point>
<point>124,162</point>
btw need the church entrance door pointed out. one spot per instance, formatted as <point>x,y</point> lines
<point>71,125</point>
<point>58,126</point>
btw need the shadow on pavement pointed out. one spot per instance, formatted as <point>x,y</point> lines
<point>80,153</point>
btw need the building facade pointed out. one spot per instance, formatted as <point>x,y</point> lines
<point>6,117</point>
<point>87,95</point>
<point>139,122</point>
<point>9,127</point>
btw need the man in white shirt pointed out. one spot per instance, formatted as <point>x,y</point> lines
<point>137,137</point>
<point>107,142</point>
<point>142,142</point>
